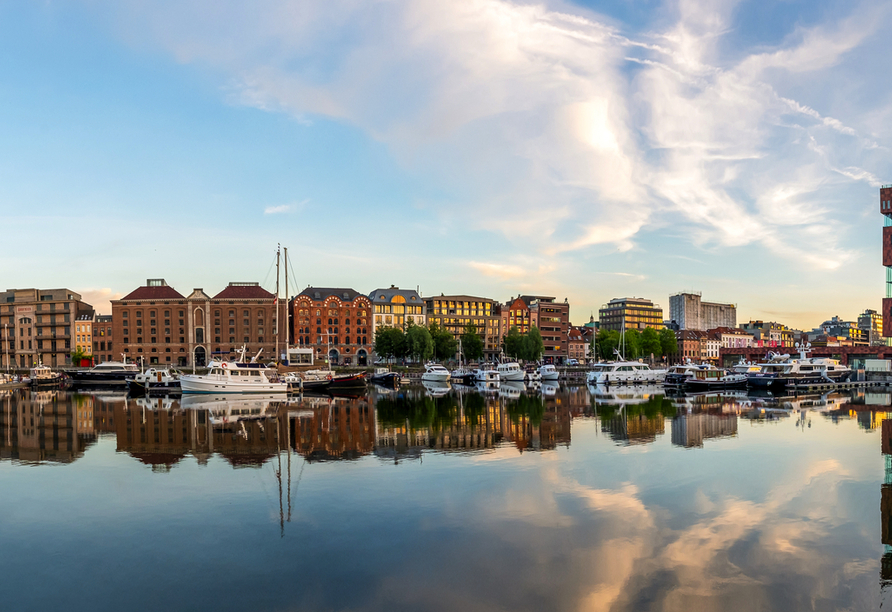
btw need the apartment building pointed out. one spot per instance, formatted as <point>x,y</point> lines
<point>37,324</point>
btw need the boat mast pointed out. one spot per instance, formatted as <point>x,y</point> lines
<point>287,324</point>
<point>277,301</point>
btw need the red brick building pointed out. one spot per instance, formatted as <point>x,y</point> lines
<point>334,321</point>
<point>157,324</point>
<point>103,345</point>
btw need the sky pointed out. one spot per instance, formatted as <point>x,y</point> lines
<point>586,150</point>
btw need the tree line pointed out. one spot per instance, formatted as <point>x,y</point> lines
<point>424,343</point>
<point>638,344</point>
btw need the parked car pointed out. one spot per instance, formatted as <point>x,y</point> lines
<point>572,362</point>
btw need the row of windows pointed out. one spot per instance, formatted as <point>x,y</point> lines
<point>329,311</point>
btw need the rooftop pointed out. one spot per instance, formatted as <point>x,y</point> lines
<point>244,291</point>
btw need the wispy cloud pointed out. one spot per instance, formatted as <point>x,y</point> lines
<point>276,210</point>
<point>564,132</point>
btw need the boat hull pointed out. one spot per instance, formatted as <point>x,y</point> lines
<point>101,379</point>
<point>142,388</point>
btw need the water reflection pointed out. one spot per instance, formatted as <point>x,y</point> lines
<point>47,425</point>
<point>661,502</point>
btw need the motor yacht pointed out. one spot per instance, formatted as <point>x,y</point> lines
<point>624,372</point>
<point>510,371</point>
<point>778,371</point>
<point>548,372</point>
<point>234,377</point>
<point>106,373</point>
<point>434,372</point>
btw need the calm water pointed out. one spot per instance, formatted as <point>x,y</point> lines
<point>548,499</point>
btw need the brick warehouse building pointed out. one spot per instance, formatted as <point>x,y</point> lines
<point>336,321</point>
<point>160,325</point>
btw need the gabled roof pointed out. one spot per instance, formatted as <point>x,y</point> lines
<point>320,293</point>
<point>244,291</point>
<point>162,292</point>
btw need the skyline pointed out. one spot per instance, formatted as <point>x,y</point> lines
<point>582,150</point>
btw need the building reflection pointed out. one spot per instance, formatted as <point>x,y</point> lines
<point>160,432</point>
<point>49,425</point>
<point>886,511</point>
<point>411,421</point>
<point>690,430</point>
<point>329,428</point>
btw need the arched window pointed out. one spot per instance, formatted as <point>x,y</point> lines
<point>346,339</point>
<point>329,320</point>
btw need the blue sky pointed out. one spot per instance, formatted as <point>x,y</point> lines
<point>584,150</point>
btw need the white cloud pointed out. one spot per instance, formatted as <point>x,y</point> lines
<point>563,131</point>
<point>275,210</point>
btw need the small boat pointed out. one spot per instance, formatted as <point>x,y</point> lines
<point>549,372</point>
<point>385,378</point>
<point>462,376</point>
<point>487,375</point>
<point>311,380</point>
<point>531,375</point>
<point>42,375</point>
<point>714,378</point>
<point>155,381</point>
<point>434,372</point>
<point>510,372</point>
<point>347,381</point>
<point>13,382</point>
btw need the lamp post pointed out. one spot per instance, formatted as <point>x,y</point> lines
<point>6,333</point>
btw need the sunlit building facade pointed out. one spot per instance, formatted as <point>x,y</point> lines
<point>634,313</point>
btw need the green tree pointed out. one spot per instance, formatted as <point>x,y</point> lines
<point>632,342</point>
<point>445,344</point>
<point>512,343</point>
<point>471,344</point>
<point>420,343</point>
<point>77,355</point>
<point>533,346</point>
<point>668,342</point>
<point>650,343</point>
<point>608,341</point>
<point>390,343</point>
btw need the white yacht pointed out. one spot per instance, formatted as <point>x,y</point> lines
<point>778,371</point>
<point>234,377</point>
<point>548,372</point>
<point>510,372</point>
<point>624,372</point>
<point>434,372</point>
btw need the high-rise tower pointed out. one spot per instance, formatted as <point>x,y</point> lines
<point>886,210</point>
